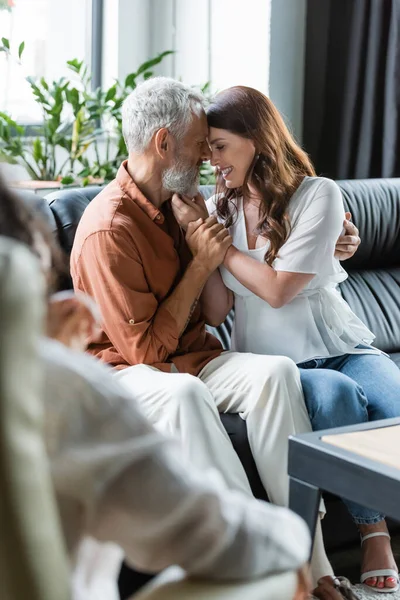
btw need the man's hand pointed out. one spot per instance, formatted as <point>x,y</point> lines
<point>349,240</point>
<point>187,209</point>
<point>208,241</point>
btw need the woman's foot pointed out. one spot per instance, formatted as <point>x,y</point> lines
<point>377,554</point>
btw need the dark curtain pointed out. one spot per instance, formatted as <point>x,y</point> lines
<point>352,88</point>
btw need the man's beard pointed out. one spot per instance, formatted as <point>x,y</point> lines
<point>181,179</point>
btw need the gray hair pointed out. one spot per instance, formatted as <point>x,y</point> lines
<point>156,103</point>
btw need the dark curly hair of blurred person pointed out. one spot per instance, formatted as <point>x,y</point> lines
<point>19,221</point>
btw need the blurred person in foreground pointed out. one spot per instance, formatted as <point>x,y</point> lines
<point>123,488</point>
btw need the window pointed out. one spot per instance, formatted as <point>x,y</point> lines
<point>54,31</point>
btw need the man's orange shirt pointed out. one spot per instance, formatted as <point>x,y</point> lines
<point>123,258</point>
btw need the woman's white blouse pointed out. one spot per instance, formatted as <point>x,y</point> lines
<point>317,323</point>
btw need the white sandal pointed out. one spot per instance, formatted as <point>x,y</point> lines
<point>379,572</point>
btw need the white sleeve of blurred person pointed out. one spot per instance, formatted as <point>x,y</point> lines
<point>119,480</point>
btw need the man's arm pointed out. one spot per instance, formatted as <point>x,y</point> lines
<point>143,331</point>
<point>349,240</point>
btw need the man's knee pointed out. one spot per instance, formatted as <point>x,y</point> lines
<point>272,372</point>
<point>281,368</point>
<point>188,386</point>
<point>188,391</point>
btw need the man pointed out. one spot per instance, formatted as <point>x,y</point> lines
<point>147,278</point>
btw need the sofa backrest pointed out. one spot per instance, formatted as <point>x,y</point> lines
<point>373,287</point>
<point>68,207</point>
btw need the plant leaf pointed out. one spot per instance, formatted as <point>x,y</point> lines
<point>110,95</point>
<point>152,62</point>
<point>130,80</point>
<point>6,43</point>
<point>37,151</point>
<point>75,65</point>
<point>44,84</point>
<point>21,49</point>
<point>73,98</point>
<point>67,180</point>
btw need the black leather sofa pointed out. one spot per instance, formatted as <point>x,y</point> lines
<point>372,290</point>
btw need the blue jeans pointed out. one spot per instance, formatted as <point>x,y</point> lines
<point>350,389</point>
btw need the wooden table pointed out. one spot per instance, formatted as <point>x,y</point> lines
<point>359,463</point>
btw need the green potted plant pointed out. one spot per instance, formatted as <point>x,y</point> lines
<point>82,125</point>
<point>75,118</point>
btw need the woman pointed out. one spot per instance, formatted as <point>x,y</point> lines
<point>282,276</point>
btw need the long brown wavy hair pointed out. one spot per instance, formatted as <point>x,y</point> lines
<point>277,170</point>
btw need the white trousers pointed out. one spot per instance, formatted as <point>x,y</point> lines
<point>265,391</point>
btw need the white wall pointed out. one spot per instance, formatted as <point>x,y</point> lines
<point>67,25</point>
<point>240,43</point>
<point>225,42</point>
<point>287,50</point>
<point>192,41</point>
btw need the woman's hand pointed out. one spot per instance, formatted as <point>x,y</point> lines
<point>72,319</point>
<point>349,240</point>
<point>187,209</point>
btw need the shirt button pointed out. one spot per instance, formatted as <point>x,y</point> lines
<point>131,321</point>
